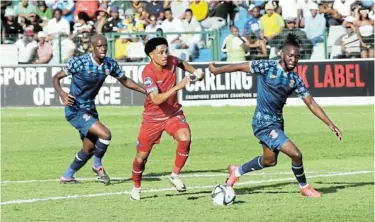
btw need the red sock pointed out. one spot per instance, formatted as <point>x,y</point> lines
<point>138,169</point>
<point>182,153</point>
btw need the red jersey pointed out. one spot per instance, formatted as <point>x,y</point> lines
<point>162,81</point>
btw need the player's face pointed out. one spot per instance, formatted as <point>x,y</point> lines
<point>290,57</point>
<point>160,55</point>
<point>100,48</point>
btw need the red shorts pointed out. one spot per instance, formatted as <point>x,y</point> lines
<point>150,132</point>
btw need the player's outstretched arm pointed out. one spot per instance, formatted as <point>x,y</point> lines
<point>159,98</point>
<point>130,84</point>
<point>66,98</point>
<point>243,67</point>
<point>319,112</point>
<point>196,75</point>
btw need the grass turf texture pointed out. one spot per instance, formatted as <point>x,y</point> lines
<point>38,144</point>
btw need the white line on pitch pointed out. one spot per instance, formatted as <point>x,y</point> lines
<point>77,196</point>
<point>155,177</point>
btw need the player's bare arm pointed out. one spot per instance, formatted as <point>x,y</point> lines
<point>319,112</point>
<point>243,67</point>
<point>159,98</point>
<point>66,98</point>
<point>130,84</point>
<point>196,75</point>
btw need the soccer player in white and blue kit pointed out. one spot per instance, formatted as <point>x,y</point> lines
<point>88,74</point>
<point>276,82</point>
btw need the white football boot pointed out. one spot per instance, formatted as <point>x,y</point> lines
<point>135,194</point>
<point>177,183</point>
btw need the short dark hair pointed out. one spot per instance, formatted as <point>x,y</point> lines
<point>291,40</point>
<point>189,10</point>
<point>153,43</point>
<point>168,9</point>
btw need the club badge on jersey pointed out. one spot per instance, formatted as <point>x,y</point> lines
<point>147,81</point>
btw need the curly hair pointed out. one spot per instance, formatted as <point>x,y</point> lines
<point>292,40</point>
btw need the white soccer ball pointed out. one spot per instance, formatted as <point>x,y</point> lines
<point>223,195</point>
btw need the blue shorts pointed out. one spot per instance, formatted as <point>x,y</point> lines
<point>81,119</point>
<point>271,135</point>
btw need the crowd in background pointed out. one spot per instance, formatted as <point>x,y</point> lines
<point>52,31</point>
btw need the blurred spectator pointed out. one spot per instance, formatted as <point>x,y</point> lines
<point>371,14</point>
<point>114,22</point>
<point>102,18</point>
<point>34,23</point>
<point>57,24</point>
<point>288,9</point>
<point>304,12</point>
<point>26,48</point>
<point>336,12</point>
<point>23,9</point>
<point>84,24</point>
<point>343,7</point>
<point>44,51</point>
<point>130,24</point>
<point>190,41</point>
<point>365,31</point>
<point>82,42</point>
<point>200,9</point>
<point>306,46</point>
<point>155,8</point>
<point>315,25</point>
<point>122,5</point>
<point>271,24</point>
<point>217,17</point>
<point>152,27</point>
<point>67,49</point>
<point>121,45</point>
<point>141,14</point>
<point>11,28</point>
<point>67,8</point>
<point>257,48</point>
<point>234,46</point>
<point>252,26</point>
<point>350,44</point>
<point>179,7</point>
<point>135,50</point>
<point>171,24</point>
<point>89,7</point>
<point>44,12</point>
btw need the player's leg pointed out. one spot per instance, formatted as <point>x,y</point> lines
<point>149,134</point>
<point>80,159</point>
<point>180,130</point>
<point>290,149</point>
<point>268,159</point>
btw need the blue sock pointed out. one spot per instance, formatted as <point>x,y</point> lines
<point>100,149</point>
<point>253,165</point>
<point>299,173</point>
<point>79,161</point>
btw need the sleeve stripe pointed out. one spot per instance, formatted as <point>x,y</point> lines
<point>121,75</point>
<point>152,89</point>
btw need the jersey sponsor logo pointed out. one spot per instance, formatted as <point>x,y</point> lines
<point>272,76</point>
<point>274,134</point>
<point>160,81</point>
<point>292,83</point>
<point>86,117</point>
<point>147,81</point>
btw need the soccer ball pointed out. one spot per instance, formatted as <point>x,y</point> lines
<point>223,195</point>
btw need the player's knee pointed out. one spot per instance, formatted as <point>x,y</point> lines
<point>183,135</point>
<point>141,158</point>
<point>107,135</point>
<point>269,162</point>
<point>297,156</point>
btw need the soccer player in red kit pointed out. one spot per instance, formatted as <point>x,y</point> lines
<point>162,112</point>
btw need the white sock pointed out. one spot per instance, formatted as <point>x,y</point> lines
<point>174,175</point>
<point>237,172</point>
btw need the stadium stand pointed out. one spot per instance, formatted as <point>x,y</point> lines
<point>53,31</point>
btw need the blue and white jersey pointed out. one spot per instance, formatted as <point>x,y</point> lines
<point>88,77</point>
<point>274,86</point>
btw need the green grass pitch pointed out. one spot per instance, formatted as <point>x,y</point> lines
<point>38,144</point>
